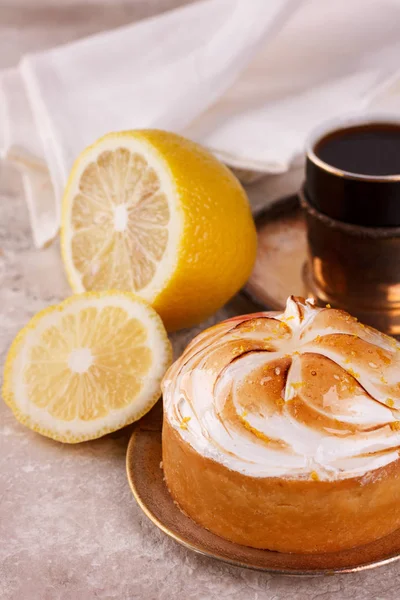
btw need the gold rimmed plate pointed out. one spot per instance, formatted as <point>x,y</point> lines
<point>145,475</point>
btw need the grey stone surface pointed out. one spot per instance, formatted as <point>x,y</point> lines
<point>69,526</point>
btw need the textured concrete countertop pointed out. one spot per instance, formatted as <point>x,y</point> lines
<point>69,526</point>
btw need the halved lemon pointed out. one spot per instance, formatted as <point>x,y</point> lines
<point>87,366</point>
<point>153,213</point>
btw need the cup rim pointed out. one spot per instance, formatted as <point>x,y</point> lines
<point>318,133</point>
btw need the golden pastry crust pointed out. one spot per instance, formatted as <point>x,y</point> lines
<point>282,431</point>
<point>287,515</point>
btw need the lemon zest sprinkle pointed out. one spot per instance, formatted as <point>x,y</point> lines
<point>297,384</point>
<point>184,422</point>
<point>353,373</point>
<point>258,434</point>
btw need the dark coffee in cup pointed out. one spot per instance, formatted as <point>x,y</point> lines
<point>353,173</point>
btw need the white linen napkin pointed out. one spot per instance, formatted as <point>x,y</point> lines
<point>247,78</point>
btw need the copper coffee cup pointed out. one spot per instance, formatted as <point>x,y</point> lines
<point>353,229</point>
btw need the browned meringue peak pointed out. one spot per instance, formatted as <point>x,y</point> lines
<point>310,389</point>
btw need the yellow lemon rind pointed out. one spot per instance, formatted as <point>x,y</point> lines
<point>8,394</point>
<point>216,250</point>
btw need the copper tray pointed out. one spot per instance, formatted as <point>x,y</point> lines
<point>145,475</point>
<point>281,255</point>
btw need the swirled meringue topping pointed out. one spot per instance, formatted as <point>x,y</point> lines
<point>309,393</point>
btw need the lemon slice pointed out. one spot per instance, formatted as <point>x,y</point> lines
<point>153,213</point>
<point>87,366</point>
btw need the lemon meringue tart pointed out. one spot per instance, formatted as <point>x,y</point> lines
<point>282,430</point>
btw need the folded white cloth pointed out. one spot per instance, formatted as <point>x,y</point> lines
<point>247,78</point>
